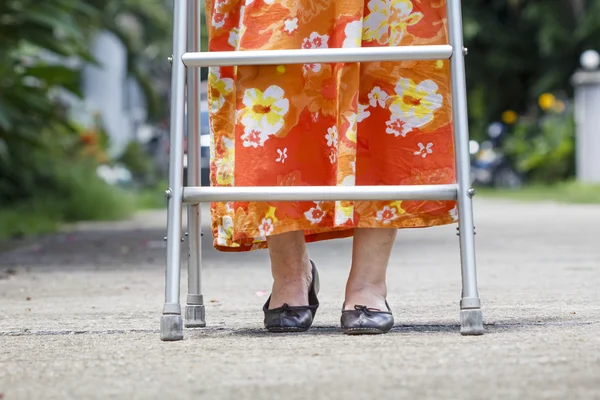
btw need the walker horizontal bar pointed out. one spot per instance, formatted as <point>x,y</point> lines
<point>194,194</point>
<point>311,56</point>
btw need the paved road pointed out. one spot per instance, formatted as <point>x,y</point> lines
<point>79,316</point>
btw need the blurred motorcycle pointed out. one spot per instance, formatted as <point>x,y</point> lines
<point>489,165</point>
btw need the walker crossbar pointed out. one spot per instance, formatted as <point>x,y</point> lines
<point>193,195</point>
<point>305,56</point>
<point>186,53</point>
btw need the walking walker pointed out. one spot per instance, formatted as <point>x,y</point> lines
<point>187,19</point>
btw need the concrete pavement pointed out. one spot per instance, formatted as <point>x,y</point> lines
<point>79,317</point>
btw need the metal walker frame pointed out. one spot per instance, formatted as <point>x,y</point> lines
<point>187,20</point>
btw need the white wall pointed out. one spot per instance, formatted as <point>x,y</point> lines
<point>108,90</point>
<point>587,119</point>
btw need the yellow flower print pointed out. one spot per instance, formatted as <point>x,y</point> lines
<point>413,106</point>
<point>351,131</point>
<point>393,16</point>
<point>343,214</point>
<point>225,230</point>
<point>219,88</point>
<point>225,164</point>
<point>264,112</point>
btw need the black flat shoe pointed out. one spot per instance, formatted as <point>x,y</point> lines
<point>363,320</point>
<point>294,318</point>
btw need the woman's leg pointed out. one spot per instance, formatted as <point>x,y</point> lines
<point>370,255</point>
<point>291,269</point>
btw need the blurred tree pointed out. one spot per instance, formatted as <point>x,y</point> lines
<point>33,36</point>
<point>43,45</point>
<point>519,49</point>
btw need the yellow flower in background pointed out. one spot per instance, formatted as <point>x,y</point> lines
<point>547,101</point>
<point>509,117</point>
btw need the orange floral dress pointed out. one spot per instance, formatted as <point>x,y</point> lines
<point>376,123</point>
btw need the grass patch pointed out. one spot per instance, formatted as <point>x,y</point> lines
<point>93,201</point>
<point>565,192</point>
<point>85,198</point>
<point>152,197</point>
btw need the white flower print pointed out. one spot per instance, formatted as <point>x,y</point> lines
<point>265,112</point>
<point>219,17</point>
<point>332,156</point>
<point>362,112</point>
<point>315,215</point>
<point>290,25</point>
<point>253,137</point>
<point>248,2</point>
<point>225,231</point>
<point>234,38</point>
<point>353,32</point>
<point>266,227</point>
<point>332,136</point>
<point>377,97</point>
<point>396,126</point>
<point>311,67</point>
<point>424,150</point>
<point>387,215</point>
<point>349,180</point>
<point>454,213</point>
<point>282,155</point>
<point>315,41</point>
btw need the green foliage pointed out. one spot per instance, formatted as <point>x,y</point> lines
<point>544,149</point>
<point>48,164</point>
<point>519,49</point>
<point>152,197</point>
<point>137,161</point>
<point>32,33</point>
<point>563,192</point>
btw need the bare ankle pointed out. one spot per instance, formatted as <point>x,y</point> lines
<point>375,288</point>
<point>366,294</point>
<point>291,284</point>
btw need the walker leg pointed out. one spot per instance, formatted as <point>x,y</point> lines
<point>194,309</point>
<point>171,326</point>
<point>471,318</point>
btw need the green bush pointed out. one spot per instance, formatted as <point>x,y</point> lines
<point>55,181</point>
<point>138,162</point>
<point>544,149</point>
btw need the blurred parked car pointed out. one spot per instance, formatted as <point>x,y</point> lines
<point>204,146</point>
<point>158,147</point>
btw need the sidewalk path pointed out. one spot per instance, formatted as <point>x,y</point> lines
<point>79,317</point>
